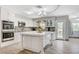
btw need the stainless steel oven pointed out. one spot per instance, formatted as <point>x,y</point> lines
<point>7,36</point>
<point>7,25</point>
<point>7,31</point>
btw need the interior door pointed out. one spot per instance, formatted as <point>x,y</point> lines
<point>59,30</point>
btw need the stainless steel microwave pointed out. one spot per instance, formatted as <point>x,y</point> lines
<point>7,24</point>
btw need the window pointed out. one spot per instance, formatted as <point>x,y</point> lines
<point>75,26</point>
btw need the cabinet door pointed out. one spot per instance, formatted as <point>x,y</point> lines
<point>18,37</point>
<point>27,42</point>
<point>48,22</point>
<point>18,40</point>
<point>4,14</point>
<point>47,39</point>
<point>53,23</point>
<point>37,43</point>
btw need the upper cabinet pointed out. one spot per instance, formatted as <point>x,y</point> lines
<point>4,14</point>
<point>50,22</point>
<point>7,14</point>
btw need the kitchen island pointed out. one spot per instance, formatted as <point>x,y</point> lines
<point>33,41</point>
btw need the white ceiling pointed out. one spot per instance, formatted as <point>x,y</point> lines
<point>32,11</point>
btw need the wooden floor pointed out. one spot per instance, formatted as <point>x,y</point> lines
<point>11,49</point>
<point>58,47</point>
<point>64,47</point>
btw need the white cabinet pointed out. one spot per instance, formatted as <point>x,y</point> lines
<point>7,14</point>
<point>34,43</point>
<point>17,37</point>
<point>4,14</point>
<point>18,40</point>
<point>37,44</point>
<point>27,42</point>
<point>50,23</point>
<point>47,39</point>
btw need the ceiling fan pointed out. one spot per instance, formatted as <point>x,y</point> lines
<point>43,12</point>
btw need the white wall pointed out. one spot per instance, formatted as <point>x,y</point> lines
<point>74,20</point>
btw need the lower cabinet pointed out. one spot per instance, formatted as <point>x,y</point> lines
<point>37,44</point>
<point>27,42</point>
<point>34,43</point>
<point>18,39</point>
<point>17,36</point>
<point>47,39</point>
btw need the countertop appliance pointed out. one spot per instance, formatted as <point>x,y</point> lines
<point>21,24</point>
<point>7,31</point>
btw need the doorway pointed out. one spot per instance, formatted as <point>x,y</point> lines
<point>59,30</point>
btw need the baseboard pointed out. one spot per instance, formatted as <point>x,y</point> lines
<point>73,37</point>
<point>63,39</point>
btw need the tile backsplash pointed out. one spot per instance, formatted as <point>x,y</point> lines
<point>19,29</point>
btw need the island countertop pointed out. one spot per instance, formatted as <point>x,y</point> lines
<point>33,33</point>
